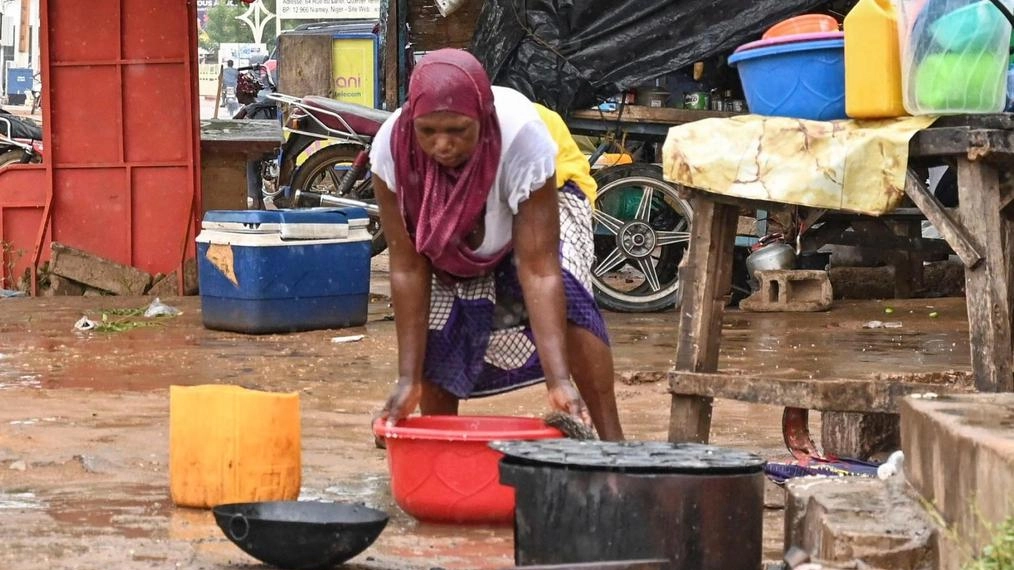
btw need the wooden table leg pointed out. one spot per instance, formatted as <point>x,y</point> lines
<point>705,284</point>
<point>988,288</point>
<point>907,264</point>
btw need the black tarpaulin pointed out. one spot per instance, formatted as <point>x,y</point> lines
<point>571,54</point>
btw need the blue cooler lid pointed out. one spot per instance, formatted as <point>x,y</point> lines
<point>298,223</point>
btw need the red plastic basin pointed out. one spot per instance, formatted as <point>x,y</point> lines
<point>442,469</point>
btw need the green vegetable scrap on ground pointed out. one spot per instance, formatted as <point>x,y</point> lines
<point>122,320</point>
<point>123,324</point>
<point>126,312</point>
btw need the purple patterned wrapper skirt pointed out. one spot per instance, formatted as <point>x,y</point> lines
<point>480,342</point>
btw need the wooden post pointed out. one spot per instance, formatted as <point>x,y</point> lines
<point>907,264</point>
<point>705,283</point>
<point>392,47</point>
<point>218,92</point>
<point>953,233</point>
<point>859,435</point>
<point>305,65</point>
<point>987,286</point>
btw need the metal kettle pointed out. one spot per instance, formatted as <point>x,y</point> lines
<point>773,255</point>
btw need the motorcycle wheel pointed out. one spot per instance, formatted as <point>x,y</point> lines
<point>642,231</point>
<point>15,156</point>
<point>322,172</point>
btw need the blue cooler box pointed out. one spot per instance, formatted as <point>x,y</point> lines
<point>284,270</point>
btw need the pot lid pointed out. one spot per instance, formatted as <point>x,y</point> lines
<point>791,39</point>
<point>631,456</point>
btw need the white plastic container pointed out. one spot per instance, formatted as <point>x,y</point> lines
<point>954,56</point>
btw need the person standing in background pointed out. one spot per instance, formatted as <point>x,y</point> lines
<point>230,76</point>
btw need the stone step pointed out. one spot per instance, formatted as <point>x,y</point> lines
<point>959,455</point>
<point>858,520</point>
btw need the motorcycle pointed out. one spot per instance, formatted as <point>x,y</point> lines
<point>20,140</point>
<point>253,88</point>
<point>338,173</point>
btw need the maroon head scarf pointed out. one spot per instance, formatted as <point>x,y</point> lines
<point>442,205</point>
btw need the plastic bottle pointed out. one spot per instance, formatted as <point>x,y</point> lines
<point>872,61</point>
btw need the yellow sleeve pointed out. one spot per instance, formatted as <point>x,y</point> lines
<point>571,163</point>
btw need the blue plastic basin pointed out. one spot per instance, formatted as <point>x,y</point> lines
<point>804,80</point>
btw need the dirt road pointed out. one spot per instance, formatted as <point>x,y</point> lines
<point>84,419</point>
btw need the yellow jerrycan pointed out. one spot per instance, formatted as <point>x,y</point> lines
<point>872,61</point>
<point>228,444</point>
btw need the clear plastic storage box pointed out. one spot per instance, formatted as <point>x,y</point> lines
<point>954,56</point>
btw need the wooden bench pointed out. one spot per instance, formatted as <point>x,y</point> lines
<point>981,234</point>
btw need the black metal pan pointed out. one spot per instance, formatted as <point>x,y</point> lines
<point>300,535</point>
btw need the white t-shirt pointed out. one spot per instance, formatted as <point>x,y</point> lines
<point>527,160</point>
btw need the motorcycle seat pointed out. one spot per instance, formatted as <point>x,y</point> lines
<point>363,120</point>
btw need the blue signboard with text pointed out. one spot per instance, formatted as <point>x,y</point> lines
<point>19,80</point>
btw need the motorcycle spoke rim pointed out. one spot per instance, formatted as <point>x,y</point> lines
<point>610,223</point>
<point>642,282</point>
<point>612,261</point>
<point>647,268</point>
<point>663,238</point>
<point>644,206</point>
<point>336,181</point>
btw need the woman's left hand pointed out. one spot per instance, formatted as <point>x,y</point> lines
<point>563,396</point>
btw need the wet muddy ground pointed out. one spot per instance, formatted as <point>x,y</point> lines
<point>84,419</point>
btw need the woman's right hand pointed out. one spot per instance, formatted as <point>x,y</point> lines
<point>564,397</point>
<point>404,399</point>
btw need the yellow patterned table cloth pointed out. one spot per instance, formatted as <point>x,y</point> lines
<point>856,166</point>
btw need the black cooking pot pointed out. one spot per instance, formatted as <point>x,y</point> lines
<point>300,535</point>
<point>819,260</point>
<point>699,507</point>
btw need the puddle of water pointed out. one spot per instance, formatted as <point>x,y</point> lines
<point>447,546</point>
<point>143,515</point>
<point>21,381</point>
<point>370,487</point>
<point>19,501</point>
<point>32,421</point>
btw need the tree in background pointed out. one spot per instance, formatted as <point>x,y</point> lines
<point>223,27</point>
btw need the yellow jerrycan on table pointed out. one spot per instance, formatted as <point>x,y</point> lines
<point>228,444</point>
<point>873,61</point>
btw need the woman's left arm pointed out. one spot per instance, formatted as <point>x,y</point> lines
<point>537,249</point>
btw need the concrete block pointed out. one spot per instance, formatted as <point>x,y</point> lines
<point>959,455</point>
<point>63,287</point>
<point>96,272</point>
<point>190,282</point>
<point>164,286</point>
<point>857,435</point>
<point>842,520</point>
<point>790,291</point>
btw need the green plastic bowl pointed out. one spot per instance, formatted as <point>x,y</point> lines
<point>955,82</point>
<point>974,27</point>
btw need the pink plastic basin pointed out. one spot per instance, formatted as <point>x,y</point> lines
<point>780,40</point>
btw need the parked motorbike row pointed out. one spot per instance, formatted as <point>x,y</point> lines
<point>642,225</point>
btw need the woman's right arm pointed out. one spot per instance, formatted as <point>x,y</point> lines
<point>410,294</point>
